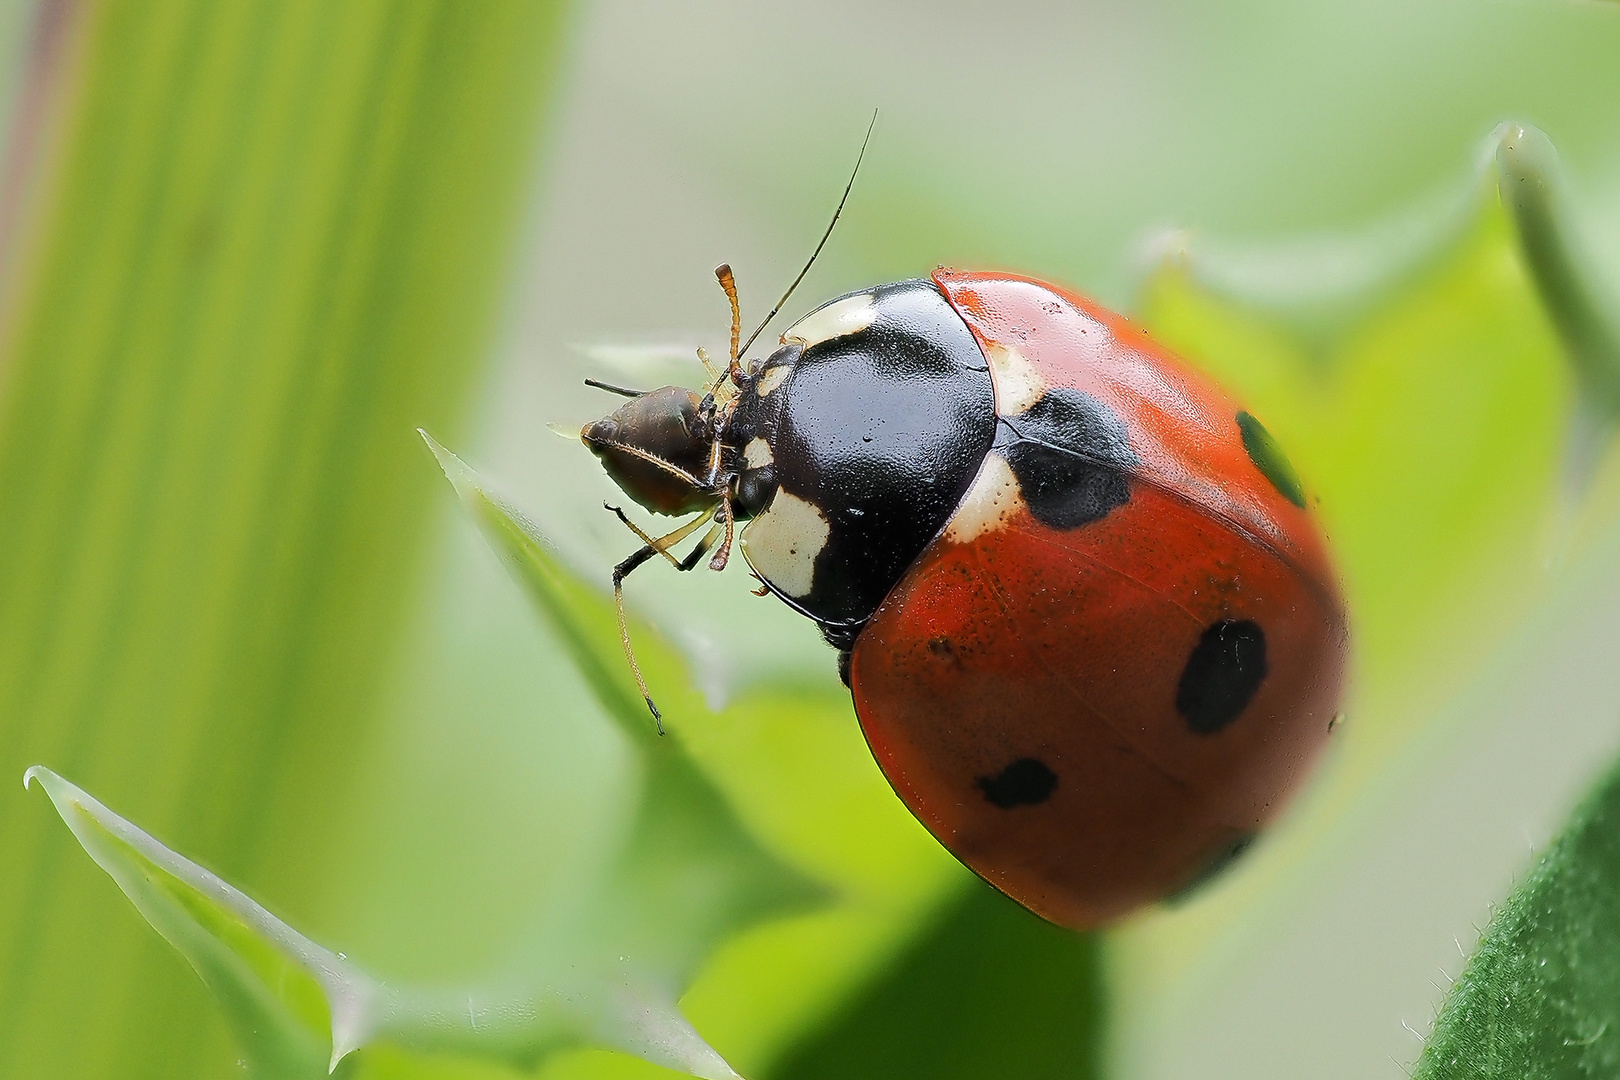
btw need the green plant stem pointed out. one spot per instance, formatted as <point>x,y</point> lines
<point>1580,304</point>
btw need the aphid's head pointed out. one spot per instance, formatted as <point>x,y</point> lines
<point>657,447</point>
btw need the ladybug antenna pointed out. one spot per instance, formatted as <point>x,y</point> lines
<point>847,188</point>
<point>610,388</point>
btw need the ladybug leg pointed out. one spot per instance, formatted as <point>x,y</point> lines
<point>612,388</point>
<point>723,555</point>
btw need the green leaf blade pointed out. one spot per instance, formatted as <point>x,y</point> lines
<point>580,613</point>
<point>261,971</point>
<point>1540,998</point>
<point>984,990</point>
<point>298,1009</point>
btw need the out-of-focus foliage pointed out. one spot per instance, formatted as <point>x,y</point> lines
<point>1540,1000</point>
<point>265,242</point>
<point>983,966</point>
<point>269,248</point>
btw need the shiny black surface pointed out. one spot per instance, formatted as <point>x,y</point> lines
<point>883,430</point>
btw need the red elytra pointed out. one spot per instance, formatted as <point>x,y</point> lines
<point>1085,635</point>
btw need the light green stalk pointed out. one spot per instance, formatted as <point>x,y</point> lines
<point>272,245</point>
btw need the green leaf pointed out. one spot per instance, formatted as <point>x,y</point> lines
<point>275,986</point>
<point>579,612</point>
<point>1540,998</point>
<point>298,1009</point>
<point>1582,305</point>
<point>985,990</point>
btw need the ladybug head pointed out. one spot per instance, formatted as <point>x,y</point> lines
<point>657,447</point>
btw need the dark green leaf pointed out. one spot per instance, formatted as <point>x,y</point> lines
<point>1540,998</point>
<point>988,990</point>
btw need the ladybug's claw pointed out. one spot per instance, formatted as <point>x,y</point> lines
<point>723,554</point>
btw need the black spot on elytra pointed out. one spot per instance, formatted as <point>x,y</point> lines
<point>1070,454</point>
<point>1026,782</point>
<point>1268,457</point>
<point>1222,674</point>
<point>1216,865</point>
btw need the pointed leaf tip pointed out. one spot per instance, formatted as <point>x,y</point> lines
<point>455,470</point>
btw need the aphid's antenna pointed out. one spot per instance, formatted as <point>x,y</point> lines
<point>847,188</point>
<point>610,388</point>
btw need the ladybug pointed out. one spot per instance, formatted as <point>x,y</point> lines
<point>1092,633</point>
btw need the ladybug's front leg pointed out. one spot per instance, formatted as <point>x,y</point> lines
<point>723,555</point>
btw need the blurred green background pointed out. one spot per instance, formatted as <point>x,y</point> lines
<point>250,247</point>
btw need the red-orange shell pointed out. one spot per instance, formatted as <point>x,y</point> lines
<point>1066,647</point>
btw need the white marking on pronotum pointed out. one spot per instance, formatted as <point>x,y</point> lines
<point>757,454</point>
<point>771,378</point>
<point>840,318</point>
<point>783,542</point>
<point>1017,384</point>
<point>989,504</point>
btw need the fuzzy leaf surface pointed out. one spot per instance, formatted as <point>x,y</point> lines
<point>1540,998</point>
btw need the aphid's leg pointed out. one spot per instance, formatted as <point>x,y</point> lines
<point>698,552</point>
<point>724,553</point>
<point>715,377</point>
<point>660,544</point>
<point>649,548</point>
<point>655,461</point>
<point>729,283</point>
<point>714,463</point>
<point>620,572</point>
